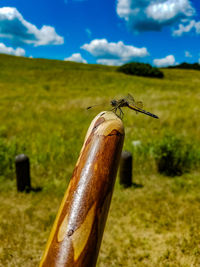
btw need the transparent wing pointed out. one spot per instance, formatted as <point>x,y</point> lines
<point>139,104</point>
<point>94,106</point>
<point>130,99</point>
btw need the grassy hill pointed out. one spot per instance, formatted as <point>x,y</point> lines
<point>43,114</point>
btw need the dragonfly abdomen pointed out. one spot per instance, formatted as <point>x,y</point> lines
<point>143,111</point>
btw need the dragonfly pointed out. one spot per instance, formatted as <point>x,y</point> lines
<point>128,102</point>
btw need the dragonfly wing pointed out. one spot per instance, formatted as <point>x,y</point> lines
<point>139,104</point>
<point>130,99</point>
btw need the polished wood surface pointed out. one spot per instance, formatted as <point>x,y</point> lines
<point>77,231</point>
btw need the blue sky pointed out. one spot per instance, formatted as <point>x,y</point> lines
<point>110,32</point>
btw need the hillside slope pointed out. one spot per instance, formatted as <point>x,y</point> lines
<point>43,114</point>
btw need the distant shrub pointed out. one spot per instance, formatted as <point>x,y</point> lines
<point>174,156</point>
<point>140,69</point>
<point>184,65</point>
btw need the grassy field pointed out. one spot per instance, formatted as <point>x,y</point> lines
<point>43,114</point>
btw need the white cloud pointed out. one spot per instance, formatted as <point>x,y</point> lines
<point>197,27</point>
<point>11,51</point>
<point>76,57</point>
<point>192,25</point>
<point>114,53</point>
<point>163,11</point>
<point>188,54</point>
<point>147,15</point>
<point>15,27</point>
<point>164,62</point>
<point>110,62</point>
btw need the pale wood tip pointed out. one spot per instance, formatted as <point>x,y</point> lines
<point>105,122</point>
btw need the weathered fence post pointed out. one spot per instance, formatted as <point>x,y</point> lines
<point>78,229</point>
<point>125,174</point>
<point>22,165</point>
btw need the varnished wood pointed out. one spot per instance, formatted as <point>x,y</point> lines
<point>77,231</point>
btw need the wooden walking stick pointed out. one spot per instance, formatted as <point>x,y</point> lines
<point>78,229</point>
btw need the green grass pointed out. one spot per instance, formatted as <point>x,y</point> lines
<point>43,114</point>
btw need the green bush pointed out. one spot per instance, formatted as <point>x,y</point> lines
<point>140,69</point>
<point>185,65</point>
<point>174,156</point>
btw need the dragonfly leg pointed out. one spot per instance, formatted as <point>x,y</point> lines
<point>114,110</point>
<point>118,115</point>
<point>121,113</point>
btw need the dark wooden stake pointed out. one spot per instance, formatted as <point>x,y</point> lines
<point>125,176</point>
<point>23,173</point>
<point>78,229</point>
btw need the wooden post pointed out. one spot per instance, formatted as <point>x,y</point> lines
<point>78,229</point>
<point>125,176</point>
<point>22,166</point>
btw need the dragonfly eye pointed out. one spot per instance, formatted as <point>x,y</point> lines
<point>113,102</point>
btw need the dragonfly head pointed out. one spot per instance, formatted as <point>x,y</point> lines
<point>113,103</point>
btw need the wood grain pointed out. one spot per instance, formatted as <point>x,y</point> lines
<point>77,231</point>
